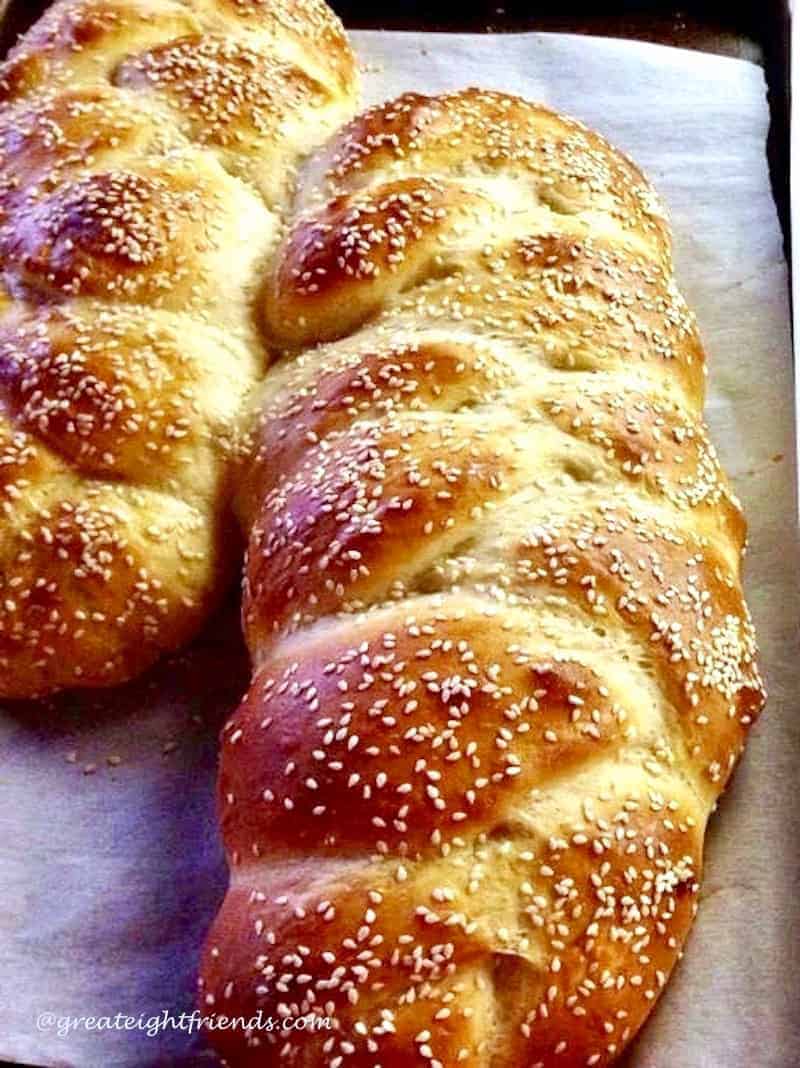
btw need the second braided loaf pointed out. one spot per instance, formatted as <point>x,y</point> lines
<point>148,151</point>
<point>502,665</point>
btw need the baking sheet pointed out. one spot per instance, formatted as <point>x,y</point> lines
<point>111,871</point>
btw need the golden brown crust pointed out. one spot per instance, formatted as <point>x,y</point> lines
<point>576,303</point>
<point>561,163</point>
<point>503,666</point>
<point>83,40</point>
<point>358,252</point>
<point>157,235</point>
<point>337,532</point>
<point>682,601</point>
<point>307,28</point>
<point>228,92</point>
<point>372,740</point>
<point>307,403</point>
<point>96,582</point>
<point>50,136</point>
<point>134,235</point>
<point>514,948</point>
<point>239,99</point>
<point>655,443</point>
<point>115,394</point>
<point>86,39</point>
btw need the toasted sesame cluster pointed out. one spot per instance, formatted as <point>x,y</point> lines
<point>147,153</point>
<point>503,667</point>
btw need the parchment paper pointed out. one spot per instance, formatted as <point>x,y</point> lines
<point>111,876</point>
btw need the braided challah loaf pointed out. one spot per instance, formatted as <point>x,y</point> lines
<point>502,664</point>
<point>148,151</point>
